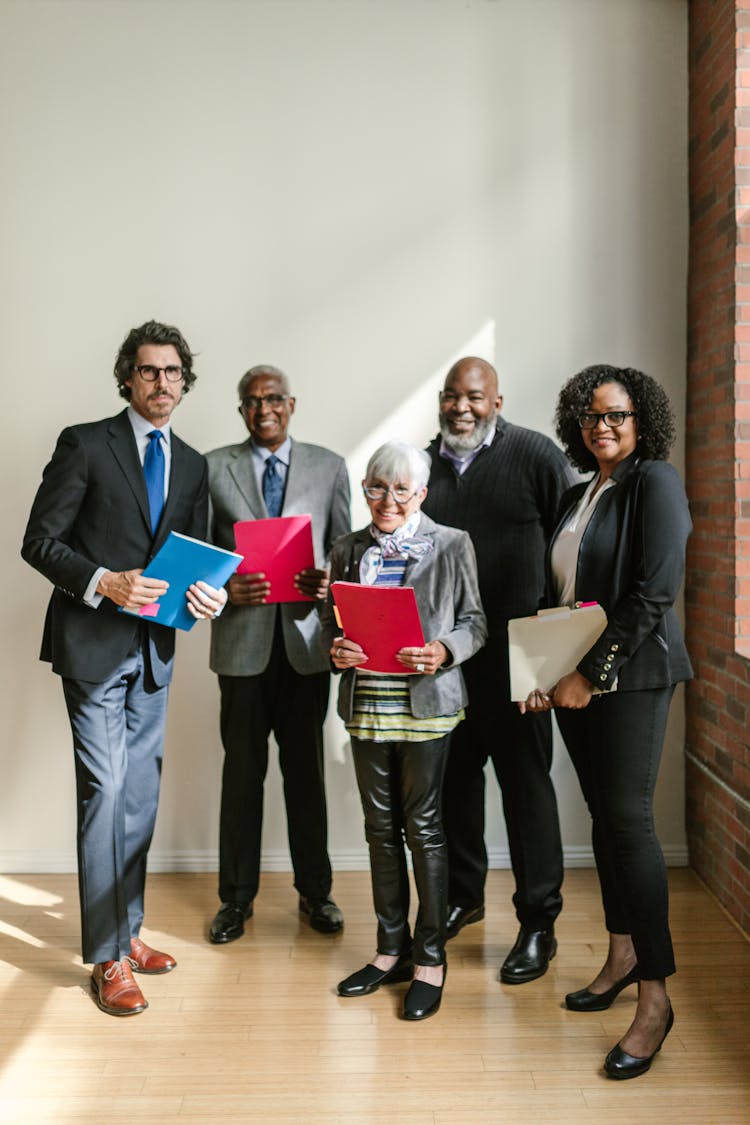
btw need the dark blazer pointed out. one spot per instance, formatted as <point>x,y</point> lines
<point>632,561</point>
<point>91,510</point>
<point>447,594</point>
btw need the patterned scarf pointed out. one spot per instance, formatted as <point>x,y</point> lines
<point>400,543</point>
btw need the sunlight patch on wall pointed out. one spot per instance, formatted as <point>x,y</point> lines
<point>415,419</point>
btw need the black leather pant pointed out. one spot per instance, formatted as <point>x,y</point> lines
<point>615,744</point>
<point>401,784</point>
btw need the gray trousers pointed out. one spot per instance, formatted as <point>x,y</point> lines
<point>118,734</point>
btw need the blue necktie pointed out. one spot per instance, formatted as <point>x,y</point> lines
<point>153,470</point>
<point>273,487</point>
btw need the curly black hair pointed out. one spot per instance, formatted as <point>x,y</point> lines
<point>152,332</point>
<point>656,426</point>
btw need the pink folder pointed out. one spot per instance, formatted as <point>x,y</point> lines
<point>382,619</point>
<point>278,548</point>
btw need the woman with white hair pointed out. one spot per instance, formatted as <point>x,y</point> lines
<point>400,726</point>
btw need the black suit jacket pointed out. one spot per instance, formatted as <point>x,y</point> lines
<point>91,510</point>
<point>632,560</point>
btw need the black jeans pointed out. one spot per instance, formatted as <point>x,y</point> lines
<point>401,784</point>
<point>615,744</point>
<point>294,707</point>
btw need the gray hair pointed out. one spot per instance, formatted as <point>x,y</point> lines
<point>399,461</point>
<point>267,370</point>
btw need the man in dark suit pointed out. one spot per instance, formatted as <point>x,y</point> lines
<point>110,495</point>
<point>502,484</point>
<point>273,675</point>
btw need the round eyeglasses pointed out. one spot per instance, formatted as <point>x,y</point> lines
<point>379,492</point>
<point>150,373</point>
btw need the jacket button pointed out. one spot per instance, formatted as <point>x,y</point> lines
<point>607,667</point>
<point>615,648</point>
<point>603,676</point>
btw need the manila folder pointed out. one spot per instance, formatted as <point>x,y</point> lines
<point>547,646</point>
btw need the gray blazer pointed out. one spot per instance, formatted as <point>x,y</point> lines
<point>317,484</point>
<point>447,593</point>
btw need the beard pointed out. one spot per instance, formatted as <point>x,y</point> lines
<point>467,443</point>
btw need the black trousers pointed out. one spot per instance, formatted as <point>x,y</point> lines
<point>520,749</point>
<point>294,708</point>
<point>615,744</point>
<point>400,784</point>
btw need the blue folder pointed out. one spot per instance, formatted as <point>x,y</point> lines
<point>181,561</point>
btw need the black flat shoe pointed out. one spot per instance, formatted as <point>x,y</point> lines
<point>369,979</point>
<point>460,916</point>
<point>619,1064</point>
<point>423,999</point>
<point>229,923</point>
<point>586,1001</point>
<point>530,956</point>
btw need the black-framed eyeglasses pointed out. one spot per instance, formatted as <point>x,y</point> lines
<point>611,418</point>
<point>254,402</point>
<point>150,373</point>
<point>379,492</point>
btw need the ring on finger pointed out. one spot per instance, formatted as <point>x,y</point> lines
<point>420,667</point>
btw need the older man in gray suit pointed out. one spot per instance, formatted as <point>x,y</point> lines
<point>272,673</point>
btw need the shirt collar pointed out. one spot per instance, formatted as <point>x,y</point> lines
<point>459,461</point>
<point>283,453</point>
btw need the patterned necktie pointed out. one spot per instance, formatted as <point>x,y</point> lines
<point>273,487</point>
<point>153,470</point>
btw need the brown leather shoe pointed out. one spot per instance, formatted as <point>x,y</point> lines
<point>114,989</point>
<point>147,960</point>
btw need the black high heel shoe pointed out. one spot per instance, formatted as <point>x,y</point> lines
<point>619,1064</point>
<point>586,1001</point>
<point>370,978</point>
<point>423,999</point>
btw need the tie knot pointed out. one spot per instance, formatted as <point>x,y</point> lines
<point>154,435</point>
<point>273,461</point>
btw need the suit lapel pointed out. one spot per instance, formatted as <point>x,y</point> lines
<point>125,452</point>
<point>242,472</point>
<point>299,478</point>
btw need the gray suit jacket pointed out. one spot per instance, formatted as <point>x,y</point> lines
<point>317,484</point>
<point>447,593</point>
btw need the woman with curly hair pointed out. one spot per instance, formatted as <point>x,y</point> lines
<point>620,541</point>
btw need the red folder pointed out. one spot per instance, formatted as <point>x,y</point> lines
<point>382,619</point>
<point>278,548</point>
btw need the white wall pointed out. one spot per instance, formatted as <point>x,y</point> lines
<point>357,191</point>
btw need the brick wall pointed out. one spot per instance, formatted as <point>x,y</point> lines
<point>717,588</point>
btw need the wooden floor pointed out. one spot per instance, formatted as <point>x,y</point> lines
<point>254,1031</point>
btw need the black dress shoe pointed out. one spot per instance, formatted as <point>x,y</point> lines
<point>460,916</point>
<point>530,956</point>
<point>586,1001</point>
<point>423,999</point>
<point>229,923</point>
<point>369,979</point>
<point>619,1064</point>
<point>324,914</point>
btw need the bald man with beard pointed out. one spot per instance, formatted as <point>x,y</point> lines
<point>502,484</point>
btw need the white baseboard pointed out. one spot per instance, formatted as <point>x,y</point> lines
<point>48,863</point>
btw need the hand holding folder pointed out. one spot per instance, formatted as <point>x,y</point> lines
<point>382,620</point>
<point>544,648</point>
<point>181,561</point>
<point>279,548</point>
